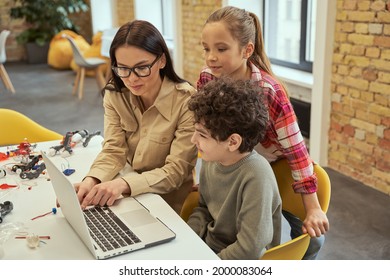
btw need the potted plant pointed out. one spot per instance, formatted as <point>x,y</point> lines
<point>44,20</point>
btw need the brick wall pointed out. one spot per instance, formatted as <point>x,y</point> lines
<point>194,15</point>
<point>125,11</point>
<point>16,52</point>
<point>360,116</point>
<point>84,21</point>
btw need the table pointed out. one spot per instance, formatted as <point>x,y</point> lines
<point>36,197</point>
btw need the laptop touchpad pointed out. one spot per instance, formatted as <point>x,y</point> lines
<point>138,218</point>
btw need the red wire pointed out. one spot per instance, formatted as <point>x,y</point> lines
<point>54,211</point>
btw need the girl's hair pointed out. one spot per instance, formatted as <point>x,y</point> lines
<point>245,27</point>
<point>144,35</point>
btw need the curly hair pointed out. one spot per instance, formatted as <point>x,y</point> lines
<point>225,106</point>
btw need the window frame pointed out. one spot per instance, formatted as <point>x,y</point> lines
<point>303,65</point>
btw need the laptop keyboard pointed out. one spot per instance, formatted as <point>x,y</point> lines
<point>108,230</point>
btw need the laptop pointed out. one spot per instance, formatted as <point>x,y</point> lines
<point>130,225</point>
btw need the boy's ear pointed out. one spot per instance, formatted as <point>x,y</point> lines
<point>235,141</point>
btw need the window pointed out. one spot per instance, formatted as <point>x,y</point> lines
<point>102,15</point>
<point>288,30</point>
<point>161,16</point>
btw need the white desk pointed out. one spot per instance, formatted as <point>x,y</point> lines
<point>39,198</point>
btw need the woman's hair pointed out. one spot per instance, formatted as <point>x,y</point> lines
<point>226,106</point>
<point>245,27</point>
<point>144,35</point>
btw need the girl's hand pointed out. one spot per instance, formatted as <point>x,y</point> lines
<point>316,223</point>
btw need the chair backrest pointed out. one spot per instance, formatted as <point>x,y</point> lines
<point>189,204</point>
<point>296,248</point>
<point>291,201</point>
<point>3,38</point>
<point>77,55</point>
<point>293,249</point>
<point>15,127</point>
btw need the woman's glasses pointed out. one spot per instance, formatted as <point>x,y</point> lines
<point>139,71</point>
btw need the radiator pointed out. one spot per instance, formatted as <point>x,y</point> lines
<point>302,110</point>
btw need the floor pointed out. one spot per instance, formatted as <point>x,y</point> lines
<point>359,215</point>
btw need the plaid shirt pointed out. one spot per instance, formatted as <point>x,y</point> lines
<point>283,136</point>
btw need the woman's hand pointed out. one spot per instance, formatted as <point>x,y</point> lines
<point>83,188</point>
<point>102,193</point>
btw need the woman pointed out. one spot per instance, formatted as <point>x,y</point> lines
<point>147,124</point>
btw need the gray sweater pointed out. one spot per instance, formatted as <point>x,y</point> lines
<point>239,213</point>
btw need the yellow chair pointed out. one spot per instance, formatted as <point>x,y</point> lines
<point>15,127</point>
<point>189,204</point>
<point>293,249</point>
<point>291,201</point>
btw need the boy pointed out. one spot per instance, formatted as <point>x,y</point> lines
<point>239,213</point>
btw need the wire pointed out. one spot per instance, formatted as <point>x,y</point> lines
<point>53,210</point>
<point>67,171</point>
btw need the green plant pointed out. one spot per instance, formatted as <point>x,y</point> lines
<point>45,18</point>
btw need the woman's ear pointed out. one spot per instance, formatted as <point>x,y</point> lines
<point>163,61</point>
<point>235,141</point>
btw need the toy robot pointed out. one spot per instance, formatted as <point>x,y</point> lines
<point>65,148</point>
<point>5,208</point>
<point>3,173</point>
<point>70,140</point>
<point>33,173</point>
<point>18,168</point>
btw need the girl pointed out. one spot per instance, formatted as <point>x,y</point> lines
<point>147,124</point>
<point>233,46</point>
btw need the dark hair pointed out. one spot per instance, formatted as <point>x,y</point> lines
<point>225,106</point>
<point>144,35</point>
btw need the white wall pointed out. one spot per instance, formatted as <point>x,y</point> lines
<point>102,12</point>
